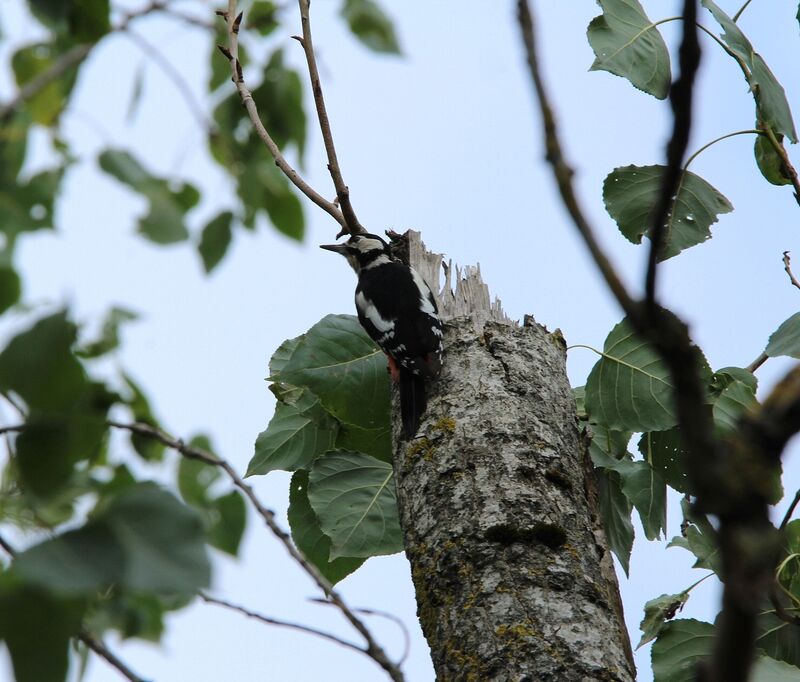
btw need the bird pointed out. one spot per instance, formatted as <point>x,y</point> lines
<point>398,311</point>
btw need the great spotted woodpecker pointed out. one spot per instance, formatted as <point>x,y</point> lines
<point>398,311</point>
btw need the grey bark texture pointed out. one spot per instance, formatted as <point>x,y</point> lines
<point>513,576</point>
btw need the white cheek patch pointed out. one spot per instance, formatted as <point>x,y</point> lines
<point>369,311</point>
<point>425,295</point>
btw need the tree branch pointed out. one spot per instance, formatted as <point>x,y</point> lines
<point>342,192</point>
<point>281,623</point>
<point>232,54</point>
<point>787,265</point>
<point>373,649</point>
<point>680,98</point>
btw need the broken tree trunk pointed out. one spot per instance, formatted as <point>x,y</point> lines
<point>513,576</point>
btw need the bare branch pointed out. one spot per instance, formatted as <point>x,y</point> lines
<point>232,53</point>
<point>787,265</point>
<point>281,623</point>
<point>342,192</point>
<point>13,427</point>
<point>562,171</point>
<point>760,360</point>
<point>680,99</point>
<point>788,515</point>
<point>373,649</point>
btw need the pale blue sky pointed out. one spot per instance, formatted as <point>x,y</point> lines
<point>444,140</point>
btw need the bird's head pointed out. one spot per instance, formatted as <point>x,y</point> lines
<point>362,251</point>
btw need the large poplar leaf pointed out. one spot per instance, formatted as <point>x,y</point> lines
<point>296,435</point>
<point>778,639</point>
<point>766,669</point>
<point>168,203</point>
<point>341,365</point>
<point>664,451</point>
<point>370,25</point>
<point>657,611</point>
<point>629,389</point>
<point>626,43</point>
<point>631,193</point>
<point>681,645</point>
<point>374,442</point>
<point>615,511</point>
<point>36,627</point>
<point>308,536</point>
<point>771,104</point>
<point>786,339</point>
<point>353,496</point>
<point>281,356</point>
<point>144,540</point>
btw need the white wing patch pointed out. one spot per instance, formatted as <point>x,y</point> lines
<point>425,295</point>
<point>369,311</point>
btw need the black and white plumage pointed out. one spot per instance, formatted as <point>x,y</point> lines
<point>398,311</point>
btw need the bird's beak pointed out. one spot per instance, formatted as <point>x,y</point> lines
<point>336,248</point>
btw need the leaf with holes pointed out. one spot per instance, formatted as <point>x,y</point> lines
<point>630,194</point>
<point>353,496</point>
<point>786,339</point>
<point>626,43</point>
<point>340,364</point>
<point>657,611</point>
<point>308,536</point>
<point>664,450</point>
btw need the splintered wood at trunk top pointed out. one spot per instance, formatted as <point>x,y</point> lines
<point>513,576</point>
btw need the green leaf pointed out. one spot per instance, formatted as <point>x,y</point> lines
<point>29,206</point>
<point>228,520</point>
<point>626,43</point>
<point>374,442</point>
<point>341,365</point>
<point>163,540</point>
<point>164,221</point>
<point>615,511</point>
<point>353,496</point>
<point>371,26</point>
<point>13,145</point>
<point>215,239</point>
<point>76,21</point>
<point>132,615</point>
<point>148,448</point>
<point>9,287</point>
<point>772,108</point>
<point>281,356</point>
<point>580,402</point>
<point>263,186</point>
<point>47,104</point>
<point>657,611</point>
<point>109,335</point>
<point>296,435</point>
<point>630,389</point>
<point>700,538</point>
<point>778,639</point>
<point>279,99</point>
<point>731,398</point>
<point>195,477</point>
<point>641,484</point>
<point>630,194</point>
<point>37,628</point>
<point>664,451</point>
<point>786,339</point>
<point>262,17</point>
<point>681,645</point>
<point>39,366</point>
<point>766,669</point>
<point>308,536</point>
<point>769,161</point>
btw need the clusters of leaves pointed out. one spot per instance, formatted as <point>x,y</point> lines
<point>629,391</point>
<point>331,428</point>
<point>98,546</point>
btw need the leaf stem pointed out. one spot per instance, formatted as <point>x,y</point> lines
<point>751,131</point>
<point>741,9</point>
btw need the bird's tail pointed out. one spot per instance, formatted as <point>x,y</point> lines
<point>412,401</point>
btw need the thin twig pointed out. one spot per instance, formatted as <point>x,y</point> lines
<point>760,360</point>
<point>373,649</point>
<point>167,68</point>
<point>232,54</point>
<point>342,191</point>
<point>13,427</point>
<point>788,515</point>
<point>281,623</point>
<point>680,99</point>
<point>563,173</point>
<point>90,640</point>
<point>787,265</point>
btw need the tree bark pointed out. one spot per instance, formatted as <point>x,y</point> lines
<point>513,576</point>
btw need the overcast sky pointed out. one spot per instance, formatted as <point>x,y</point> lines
<point>444,140</point>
